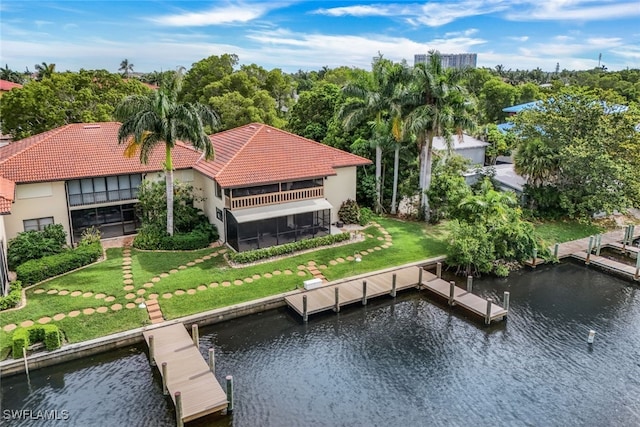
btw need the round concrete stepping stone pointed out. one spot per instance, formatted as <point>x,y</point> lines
<point>116,307</point>
<point>370,236</point>
<point>289,272</point>
<point>74,313</point>
<point>63,292</point>
<point>383,231</point>
<point>110,298</point>
<point>322,267</point>
<point>237,282</point>
<point>248,280</point>
<point>89,311</point>
<point>214,254</point>
<point>340,259</point>
<point>221,251</point>
<point>333,262</point>
<point>102,310</point>
<point>277,273</point>
<point>10,327</point>
<point>390,244</point>
<point>59,316</point>
<point>128,288</point>
<point>52,291</point>
<point>370,250</point>
<point>213,284</point>
<point>148,285</point>
<point>129,305</point>
<point>385,246</point>
<point>44,320</point>
<point>139,300</point>
<point>267,275</point>
<point>155,279</point>
<point>206,257</point>
<point>202,288</point>
<point>301,273</point>
<point>364,253</point>
<point>198,261</point>
<point>191,291</point>
<point>377,248</point>
<point>349,258</point>
<point>302,267</point>
<point>173,271</point>
<point>191,264</point>
<point>99,296</point>
<point>167,296</point>
<point>127,276</point>
<point>226,283</point>
<point>128,281</point>
<point>87,294</point>
<point>179,292</point>
<point>380,238</point>
<point>39,291</point>
<point>153,296</point>
<point>130,296</point>
<point>182,267</point>
<point>163,275</point>
<point>126,262</point>
<point>256,276</point>
<point>26,323</point>
<point>141,291</point>
<point>76,293</point>
<point>311,263</point>
<point>126,257</point>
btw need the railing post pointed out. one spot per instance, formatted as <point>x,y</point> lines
<point>152,352</point>
<point>393,285</point>
<point>165,379</point>
<point>452,291</point>
<point>178,397</point>
<point>439,270</point>
<point>195,335</point>
<point>337,300</point>
<point>470,284</point>
<point>420,278</point>
<point>364,292</point>
<point>212,361</point>
<point>229,380</point>
<point>305,316</point>
<point>487,317</point>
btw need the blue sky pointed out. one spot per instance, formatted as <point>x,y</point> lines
<point>292,35</point>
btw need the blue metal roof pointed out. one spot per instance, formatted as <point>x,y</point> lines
<point>520,107</point>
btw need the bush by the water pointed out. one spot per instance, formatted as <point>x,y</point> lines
<point>13,297</point>
<point>349,212</point>
<point>287,248</point>
<point>37,270</point>
<point>34,244</point>
<point>24,337</point>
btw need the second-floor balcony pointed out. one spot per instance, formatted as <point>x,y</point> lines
<point>251,201</point>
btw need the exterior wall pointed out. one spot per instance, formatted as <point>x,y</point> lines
<point>211,202</point>
<point>339,188</point>
<point>38,201</point>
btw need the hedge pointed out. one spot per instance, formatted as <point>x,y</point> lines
<point>37,270</point>
<point>14,296</point>
<point>152,238</point>
<point>287,248</point>
<point>24,337</point>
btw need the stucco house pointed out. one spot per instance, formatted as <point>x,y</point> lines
<point>468,147</point>
<point>264,187</point>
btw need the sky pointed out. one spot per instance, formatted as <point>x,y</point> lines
<point>292,35</point>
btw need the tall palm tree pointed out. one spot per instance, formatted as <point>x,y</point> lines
<point>438,107</point>
<point>126,67</point>
<point>45,70</point>
<point>158,118</point>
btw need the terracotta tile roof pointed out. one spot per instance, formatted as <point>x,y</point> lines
<point>7,193</point>
<point>6,85</point>
<point>261,154</point>
<point>80,150</point>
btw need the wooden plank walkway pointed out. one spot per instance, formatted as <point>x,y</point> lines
<point>350,292</point>
<point>187,372</point>
<point>623,270</point>
<point>619,246</point>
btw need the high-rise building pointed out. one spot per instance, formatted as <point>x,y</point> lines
<point>450,60</point>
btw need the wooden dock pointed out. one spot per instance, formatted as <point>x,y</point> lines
<point>335,296</point>
<point>615,267</point>
<point>186,372</point>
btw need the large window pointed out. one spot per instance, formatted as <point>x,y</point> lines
<point>91,191</point>
<point>112,221</point>
<point>37,224</point>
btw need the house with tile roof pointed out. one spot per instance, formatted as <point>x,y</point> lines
<point>265,186</point>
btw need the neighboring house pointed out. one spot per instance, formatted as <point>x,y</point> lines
<point>265,186</point>
<point>6,86</point>
<point>469,147</point>
<point>7,195</point>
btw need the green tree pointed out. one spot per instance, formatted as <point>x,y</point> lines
<point>10,75</point>
<point>204,72</point>
<point>44,70</point>
<point>126,68</point>
<point>494,96</point>
<point>448,186</point>
<point>501,143</point>
<point>159,118</point>
<point>310,116</point>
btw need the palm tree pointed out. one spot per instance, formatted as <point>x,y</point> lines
<point>126,67</point>
<point>438,108</point>
<point>158,118</point>
<point>44,70</point>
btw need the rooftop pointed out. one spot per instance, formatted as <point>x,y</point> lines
<point>457,144</point>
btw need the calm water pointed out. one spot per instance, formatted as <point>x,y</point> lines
<point>405,363</point>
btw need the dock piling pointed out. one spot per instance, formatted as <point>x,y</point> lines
<point>305,315</point>
<point>632,230</point>
<point>439,270</point>
<point>26,362</point>
<point>452,289</point>
<point>625,238</point>
<point>507,294</point>
<point>195,335</point>
<point>487,317</point>
<point>556,248</point>
<point>393,285</point>
<point>212,360</point>
<point>592,335</point>
<point>535,257</point>
<point>152,360</point>
<point>598,244</point>
<point>229,380</point>
<point>364,292</point>
<point>165,378</point>
<point>337,294</point>
<point>637,275</point>
<point>420,278</point>
<point>589,250</point>
<point>469,284</point>
<point>178,397</point>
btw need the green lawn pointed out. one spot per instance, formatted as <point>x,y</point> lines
<point>563,231</point>
<point>411,242</point>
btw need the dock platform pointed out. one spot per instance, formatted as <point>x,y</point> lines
<point>620,269</point>
<point>187,372</point>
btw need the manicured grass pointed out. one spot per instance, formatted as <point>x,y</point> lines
<point>563,231</point>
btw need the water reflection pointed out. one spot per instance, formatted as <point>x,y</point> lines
<point>409,362</point>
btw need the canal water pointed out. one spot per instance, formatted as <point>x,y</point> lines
<point>408,362</point>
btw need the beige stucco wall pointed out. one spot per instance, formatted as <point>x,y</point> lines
<point>38,201</point>
<point>211,202</point>
<point>339,188</point>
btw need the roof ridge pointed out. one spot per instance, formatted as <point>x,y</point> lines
<point>50,133</point>
<point>261,125</point>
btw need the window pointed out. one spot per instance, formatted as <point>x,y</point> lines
<point>218,192</point>
<point>219,213</point>
<point>101,190</point>
<point>37,224</point>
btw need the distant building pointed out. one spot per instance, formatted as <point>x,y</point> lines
<point>450,60</point>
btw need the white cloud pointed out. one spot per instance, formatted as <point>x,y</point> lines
<point>360,10</point>
<point>521,39</point>
<point>231,14</point>
<point>576,10</point>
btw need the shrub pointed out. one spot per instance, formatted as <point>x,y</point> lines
<point>37,270</point>
<point>287,248</point>
<point>365,216</point>
<point>151,237</point>
<point>14,296</point>
<point>33,244</point>
<point>349,212</point>
<point>24,337</point>
<point>89,236</point>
